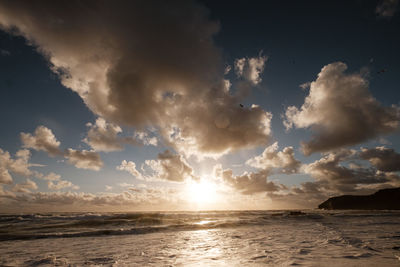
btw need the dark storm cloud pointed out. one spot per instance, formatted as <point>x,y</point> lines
<point>333,175</point>
<point>248,183</point>
<point>341,111</point>
<point>145,63</point>
<point>384,159</point>
<point>387,8</point>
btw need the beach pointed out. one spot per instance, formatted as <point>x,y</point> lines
<point>214,238</point>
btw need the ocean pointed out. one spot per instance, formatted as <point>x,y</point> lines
<point>210,238</point>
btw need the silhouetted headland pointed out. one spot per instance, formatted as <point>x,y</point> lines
<point>385,199</point>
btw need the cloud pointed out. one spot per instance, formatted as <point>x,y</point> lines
<point>130,167</point>
<point>247,183</point>
<point>5,177</point>
<point>57,185</point>
<point>171,167</point>
<point>25,187</point>
<point>6,194</point>
<point>272,158</point>
<point>108,188</point>
<point>84,159</point>
<point>51,177</point>
<point>332,175</point>
<point>382,158</point>
<point>341,111</point>
<point>219,130</point>
<point>305,85</point>
<point>43,139</point>
<point>144,138</point>
<point>387,8</point>
<point>19,165</point>
<point>102,136</point>
<point>169,76</point>
<point>144,199</point>
<point>250,68</point>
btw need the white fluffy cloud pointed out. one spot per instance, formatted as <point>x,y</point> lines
<point>43,139</point>
<point>341,111</point>
<point>51,177</point>
<point>272,158</point>
<point>130,167</point>
<point>102,136</point>
<point>5,176</point>
<point>25,187</point>
<point>57,185</point>
<point>19,165</point>
<point>171,167</point>
<point>84,159</point>
<point>250,68</point>
<point>169,76</point>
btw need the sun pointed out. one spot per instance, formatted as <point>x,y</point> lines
<point>202,192</point>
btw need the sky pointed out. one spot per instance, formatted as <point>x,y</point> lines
<point>191,105</point>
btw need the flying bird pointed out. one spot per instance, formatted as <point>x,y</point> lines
<point>241,105</point>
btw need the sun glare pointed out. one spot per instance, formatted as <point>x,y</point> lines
<point>203,192</point>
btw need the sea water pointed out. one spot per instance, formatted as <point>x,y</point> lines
<point>211,238</point>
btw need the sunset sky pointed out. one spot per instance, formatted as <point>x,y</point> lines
<point>181,105</point>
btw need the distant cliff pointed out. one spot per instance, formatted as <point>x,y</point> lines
<point>385,199</point>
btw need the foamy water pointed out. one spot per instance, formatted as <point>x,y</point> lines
<point>233,238</point>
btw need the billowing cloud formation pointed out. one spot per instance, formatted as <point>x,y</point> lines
<point>220,129</point>
<point>144,138</point>
<point>25,187</point>
<point>250,68</point>
<point>341,111</point>
<point>54,181</point>
<point>247,183</point>
<point>5,176</point>
<point>19,165</point>
<point>130,167</point>
<point>43,139</point>
<point>61,184</point>
<point>169,76</point>
<point>51,177</point>
<point>387,8</point>
<point>84,159</point>
<point>102,136</point>
<point>272,158</point>
<point>332,175</point>
<point>384,159</point>
<point>171,167</point>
